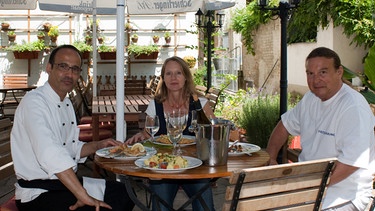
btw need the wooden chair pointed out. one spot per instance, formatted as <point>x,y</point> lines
<point>213,97</point>
<point>294,186</point>
<point>154,83</point>
<point>11,100</point>
<point>201,90</point>
<point>135,87</point>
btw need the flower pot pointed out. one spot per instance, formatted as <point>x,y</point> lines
<point>85,54</point>
<point>167,40</point>
<point>107,55</point>
<point>5,26</point>
<point>41,37</point>
<point>152,56</point>
<point>26,54</point>
<point>155,39</point>
<point>100,40</point>
<point>53,39</point>
<point>11,38</point>
<point>46,27</point>
<point>134,39</point>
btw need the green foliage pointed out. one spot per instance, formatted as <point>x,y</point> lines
<point>247,20</point>
<point>356,18</point>
<point>28,46</point>
<point>167,34</point>
<point>258,117</point>
<point>230,104</point>
<point>106,48</point>
<point>199,76</point>
<point>11,33</point>
<point>142,49</point>
<point>41,33</point>
<point>82,46</point>
<point>53,31</point>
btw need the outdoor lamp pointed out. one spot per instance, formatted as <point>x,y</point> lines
<point>208,22</point>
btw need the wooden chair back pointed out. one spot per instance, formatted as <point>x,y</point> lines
<point>15,79</point>
<point>135,87</point>
<point>154,82</point>
<point>293,186</point>
<point>6,163</point>
<point>213,97</point>
<point>201,90</point>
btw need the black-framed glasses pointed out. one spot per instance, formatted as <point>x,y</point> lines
<point>64,67</point>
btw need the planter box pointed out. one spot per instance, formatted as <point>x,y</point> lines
<point>107,55</point>
<point>26,54</point>
<point>85,54</point>
<point>152,56</point>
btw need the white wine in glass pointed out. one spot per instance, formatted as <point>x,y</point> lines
<point>152,126</point>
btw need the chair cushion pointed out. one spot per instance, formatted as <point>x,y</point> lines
<point>101,126</point>
<point>86,135</point>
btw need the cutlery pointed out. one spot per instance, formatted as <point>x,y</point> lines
<point>234,143</point>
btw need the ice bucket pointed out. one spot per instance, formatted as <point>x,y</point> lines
<point>212,143</point>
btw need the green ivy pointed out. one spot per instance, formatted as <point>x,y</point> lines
<point>355,16</point>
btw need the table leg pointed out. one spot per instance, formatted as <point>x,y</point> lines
<point>138,203</point>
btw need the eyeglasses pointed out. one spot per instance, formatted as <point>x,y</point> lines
<point>64,67</point>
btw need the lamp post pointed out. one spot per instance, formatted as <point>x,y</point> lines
<point>283,11</point>
<point>207,22</point>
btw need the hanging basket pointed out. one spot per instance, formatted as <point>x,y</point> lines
<point>85,54</point>
<point>26,54</point>
<point>152,56</point>
<point>107,55</point>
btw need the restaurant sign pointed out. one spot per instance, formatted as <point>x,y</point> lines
<point>17,4</point>
<point>107,7</point>
<point>175,6</point>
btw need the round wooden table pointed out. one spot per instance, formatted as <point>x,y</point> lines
<point>127,167</point>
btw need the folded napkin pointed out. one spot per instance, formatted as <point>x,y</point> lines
<point>94,187</point>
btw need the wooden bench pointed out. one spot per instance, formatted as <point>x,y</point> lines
<point>293,186</point>
<point>11,99</point>
<point>7,175</point>
<point>135,87</point>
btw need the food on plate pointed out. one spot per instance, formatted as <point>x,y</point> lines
<point>165,140</point>
<point>134,151</point>
<point>166,161</point>
<point>236,149</point>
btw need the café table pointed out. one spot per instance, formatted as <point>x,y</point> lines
<point>130,170</point>
<point>134,105</point>
<point>4,89</point>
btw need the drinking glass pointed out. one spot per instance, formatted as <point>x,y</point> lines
<point>176,123</point>
<point>152,125</point>
<point>194,122</point>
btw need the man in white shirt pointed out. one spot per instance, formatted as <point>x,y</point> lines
<point>333,120</point>
<point>46,150</point>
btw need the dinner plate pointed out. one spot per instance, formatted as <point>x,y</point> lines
<point>246,149</point>
<point>181,145</point>
<point>106,154</point>
<point>192,163</point>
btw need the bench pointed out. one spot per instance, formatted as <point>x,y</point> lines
<point>7,175</point>
<point>11,99</point>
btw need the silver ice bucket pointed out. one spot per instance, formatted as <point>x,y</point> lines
<point>212,143</point>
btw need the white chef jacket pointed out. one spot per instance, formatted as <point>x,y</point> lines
<point>44,139</point>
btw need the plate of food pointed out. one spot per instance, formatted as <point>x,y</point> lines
<point>167,163</point>
<point>125,152</point>
<point>185,141</point>
<point>242,148</point>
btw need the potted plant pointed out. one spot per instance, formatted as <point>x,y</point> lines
<point>100,39</point>
<point>143,51</point>
<point>88,39</point>
<point>11,35</point>
<point>53,33</point>
<point>27,50</point>
<point>128,27</point>
<point>107,52</point>
<point>155,38</point>
<point>134,38</point>
<point>5,26</point>
<point>167,37</point>
<point>84,48</point>
<point>41,35</point>
<point>190,60</point>
<point>47,26</point>
<point>92,22</point>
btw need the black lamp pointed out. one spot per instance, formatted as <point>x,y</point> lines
<point>207,22</point>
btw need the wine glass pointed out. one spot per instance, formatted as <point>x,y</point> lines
<point>183,118</point>
<point>152,125</point>
<point>176,123</point>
